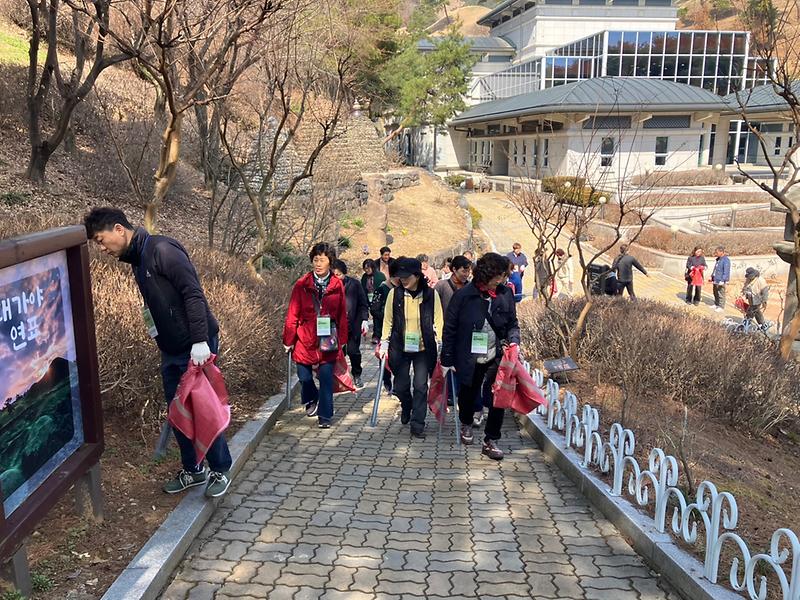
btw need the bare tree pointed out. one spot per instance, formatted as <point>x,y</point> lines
<point>91,36</point>
<point>775,42</point>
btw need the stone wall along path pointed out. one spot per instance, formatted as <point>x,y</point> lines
<point>356,513</point>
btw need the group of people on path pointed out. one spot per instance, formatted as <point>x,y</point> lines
<point>461,320</point>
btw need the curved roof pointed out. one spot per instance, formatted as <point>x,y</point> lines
<point>599,95</point>
<point>762,98</point>
<point>476,44</point>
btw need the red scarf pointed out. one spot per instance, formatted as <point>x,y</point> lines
<point>484,290</point>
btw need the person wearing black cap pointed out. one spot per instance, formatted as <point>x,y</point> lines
<point>756,293</point>
<point>412,324</point>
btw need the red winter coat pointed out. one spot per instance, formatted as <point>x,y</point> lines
<point>300,329</point>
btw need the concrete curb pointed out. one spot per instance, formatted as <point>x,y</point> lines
<point>149,571</point>
<point>682,570</point>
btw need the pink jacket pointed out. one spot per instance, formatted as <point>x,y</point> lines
<point>430,275</point>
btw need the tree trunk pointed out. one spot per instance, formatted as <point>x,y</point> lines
<point>790,333</point>
<point>167,167</point>
<point>575,337</point>
<point>37,164</point>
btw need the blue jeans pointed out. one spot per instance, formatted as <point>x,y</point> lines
<point>173,366</point>
<point>309,393</point>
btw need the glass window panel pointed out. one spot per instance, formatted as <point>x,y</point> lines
<point>607,146</point>
<point>644,42</point>
<point>586,68</point>
<point>573,68</point>
<point>725,43</point>
<point>669,66</point>
<point>642,66</point>
<point>697,65</point>
<point>671,44</point>
<point>614,42</point>
<point>683,65</point>
<point>657,46</point>
<point>683,80</point>
<point>685,45</point>
<point>612,66</point>
<point>723,86</point>
<point>656,63</point>
<point>710,67</point>
<point>662,143</point>
<point>737,66</point>
<point>712,43</point>
<point>560,68</point>
<point>724,66</point>
<point>549,67</point>
<point>708,84</point>
<point>627,66</point>
<point>696,81</point>
<point>629,42</point>
<point>698,43</point>
<point>739,43</point>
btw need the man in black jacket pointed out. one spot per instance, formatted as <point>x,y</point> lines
<point>623,265</point>
<point>357,318</point>
<point>177,316</point>
<point>481,322</point>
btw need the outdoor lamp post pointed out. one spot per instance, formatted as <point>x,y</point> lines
<point>602,202</point>
<point>674,229</point>
<point>734,207</point>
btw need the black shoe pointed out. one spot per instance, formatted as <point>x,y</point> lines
<point>324,425</point>
<point>357,382</point>
<point>491,450</point>
<point>696,302</point>
<point>405,417</point>
<point>420,435</point>
<point>311,409</point>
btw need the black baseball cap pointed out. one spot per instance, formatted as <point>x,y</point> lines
<point>406,267</point>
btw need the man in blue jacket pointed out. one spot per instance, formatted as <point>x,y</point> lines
<point>177,317</point>
<point>720,277</point>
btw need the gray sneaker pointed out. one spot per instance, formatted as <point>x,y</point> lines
<point>185,480</point>
<point>467,436</point>
<point>218,484</point>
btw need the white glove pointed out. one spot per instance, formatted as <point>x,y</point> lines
<point>200,353</point>
<point>287,349</point>
<point>364,327</point>
<point>446,370</point>
<point>383,351</point>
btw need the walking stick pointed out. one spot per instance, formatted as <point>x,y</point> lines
<point>455,410</point>
<point>374,419</point>
<point>443,410</point>
<point>288,380</point>
<point>163,441</point>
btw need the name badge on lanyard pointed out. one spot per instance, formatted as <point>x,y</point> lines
<point>480,342</point>
<point>411,342</point>
<point>149,322</point>
<point>323,326</point>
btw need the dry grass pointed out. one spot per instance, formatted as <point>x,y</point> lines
<point>751,218</point>
<point>680,178</point>
<point>712,198</point>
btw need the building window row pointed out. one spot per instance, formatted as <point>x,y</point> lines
<point>677,42</point>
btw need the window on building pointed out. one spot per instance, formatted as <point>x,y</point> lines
<point>515,152</point>
<point>535,149</point>
<point>662,143</point>
<point>545,152</point>
<point>606,152</point>
<point>791,143</point>
<point>778,144</point>
<point>524,156</point>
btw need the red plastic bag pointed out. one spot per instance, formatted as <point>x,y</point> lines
<point>514,388</point>
<point>437,389</point>
<point>342,379</point>
<point>741,304</point>
<point>200,409</point>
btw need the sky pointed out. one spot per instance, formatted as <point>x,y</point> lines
<point>20,369</point>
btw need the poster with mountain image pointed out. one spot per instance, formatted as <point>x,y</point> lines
<point>40,411</point>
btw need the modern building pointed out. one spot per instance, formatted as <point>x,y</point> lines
<point>670,88</point>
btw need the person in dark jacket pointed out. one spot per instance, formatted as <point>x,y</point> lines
<point>623,267</point>
<point>695,267</point>
<point>372,278</point>
<point>412,326</point>
<point>720,277</point>
<point>316,331</point>
<point>377,308</point>
<point>177,316</point>
<point>357,318</point>
<point>481,322</point>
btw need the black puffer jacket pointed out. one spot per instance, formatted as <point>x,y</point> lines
<point>171,290</point>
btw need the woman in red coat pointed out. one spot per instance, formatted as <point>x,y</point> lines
<point>316,330</point>
<point>695,267</point>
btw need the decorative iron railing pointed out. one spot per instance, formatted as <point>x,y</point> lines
<point>656,488</point>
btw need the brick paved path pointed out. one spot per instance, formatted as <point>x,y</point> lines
<point>355,512</point>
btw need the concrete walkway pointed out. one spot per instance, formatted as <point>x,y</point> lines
<point>357,513</point>
<point>504,226</point>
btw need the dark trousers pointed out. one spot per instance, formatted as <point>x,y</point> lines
<point>173,366</point>
<point>698,291</point>
<point>309,392</point>
<point>414,403</point>
<point>483,377</point>
<point>755,312</point>
<point>719,295</point>
<point>354,352</point>
<point>625,285</point>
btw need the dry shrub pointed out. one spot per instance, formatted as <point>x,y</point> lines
<point>711,198</point>
<point>655,349</point>
<point>751,218</point>
<point>249,310</point>
<point>678,178</point>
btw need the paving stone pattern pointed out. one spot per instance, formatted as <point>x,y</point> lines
<point>356,513</point>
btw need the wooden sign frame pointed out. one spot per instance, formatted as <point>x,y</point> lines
<point>15,527</point>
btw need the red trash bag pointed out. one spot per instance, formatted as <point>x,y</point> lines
<point>342,379</point>
<point>436,391</point>
<point>514,388</point>
<point>741,304</point>
<point>200,409</point>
